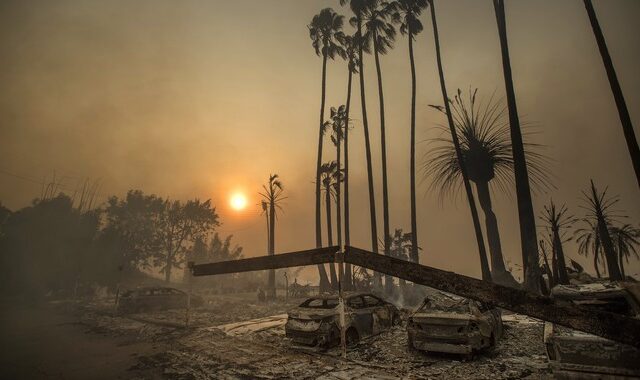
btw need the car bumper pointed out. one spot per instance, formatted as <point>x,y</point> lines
<point>309,338</point>
<point>451,345</point>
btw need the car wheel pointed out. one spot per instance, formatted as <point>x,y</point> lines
<point>352,337</point>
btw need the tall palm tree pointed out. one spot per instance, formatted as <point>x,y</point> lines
<point>338,127</point>
<point>380,34</point>
<point>272,195</point>
<point>484,264</point>
<point>528,238</point>
<point>600,209</point>
<point>351,56</point>
<point>556,220</point>
<point>623,112</point>
<point>328,178</point>
<point>626,238</point>
<point>360,8</point>
<point>406,13</point>
<point>588,240</point>
<point>324,30</point>
<point>486,153</point>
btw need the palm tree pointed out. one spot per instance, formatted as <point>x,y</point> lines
<point>272,196</point>
<point>406,13</point>
<point>338,127</point>
<point>556,220</point>
<point>360,8</point>
<point>351,55</point>
<point>484,264</point>
<point>588,240</point>
<point>324,31</point>
<point>626,239</point>
<point>623,113</point>
<point>600,210</point>
<point>380,33</point>
<point>528,238</point>
<point>328,178</point>
<point>486,152</point>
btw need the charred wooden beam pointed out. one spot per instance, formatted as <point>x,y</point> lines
<point>608,325</point>
<point>283,260</point>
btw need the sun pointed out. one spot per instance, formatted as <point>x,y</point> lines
<point>238,201</point>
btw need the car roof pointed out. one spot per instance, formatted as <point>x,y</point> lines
<point>333,296</point>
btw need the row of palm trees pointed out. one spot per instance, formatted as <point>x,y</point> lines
<point>601,233</point>
<point>375,24</point>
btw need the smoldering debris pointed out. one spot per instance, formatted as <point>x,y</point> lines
<point>206,350</point>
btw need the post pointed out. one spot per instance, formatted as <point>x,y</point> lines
<point>120,267</point>
<point>343,333</point>
<point>190,288</point>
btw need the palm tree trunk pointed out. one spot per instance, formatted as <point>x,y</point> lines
<point>621,259</point>
<point>498,269</point>
<point>324,281</point>
<point>347,236</point>
<point>415,256</point>
<point>550,273</point>
<point>272,247</point>
<point>605,238</point>
<point>484,264</point>
<point>367,144</point>
<point>388,281</point>
<point>338,205</point>
<point>595,261</point>
<point>561,266</point>
<point>623,113</point>
<point>528,238</point>
<point>332,268</point>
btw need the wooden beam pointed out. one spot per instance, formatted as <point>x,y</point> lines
<point>608,325</point>
<point>283,260</point>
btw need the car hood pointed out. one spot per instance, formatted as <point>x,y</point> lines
<point>444,318</point>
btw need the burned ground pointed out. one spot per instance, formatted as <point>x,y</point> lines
<point>213,346</point>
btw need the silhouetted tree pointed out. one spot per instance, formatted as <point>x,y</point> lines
<point>328,177</point>
<point>338,127</point>
<point>486,151</point>
<point>179,226</point>
<point>623,112</point>
<point>484,264</point>
<point>406,13</point>
<point>556,220</point>
<point>600,211</point>
<point>625,238</point>
<point>401,248</point>
<point>588,240</point>
<point>380,34</point>
<point>360,9</point>
<point>272,195</point>
<point>351,55</point>
<point>528,237</point>
<point>324,30</point>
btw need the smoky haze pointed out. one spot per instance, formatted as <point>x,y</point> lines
<point>202,99</point>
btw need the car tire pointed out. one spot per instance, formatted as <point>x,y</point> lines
<point>352,337</point>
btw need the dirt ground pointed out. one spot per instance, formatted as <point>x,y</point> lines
<point>212,348</point>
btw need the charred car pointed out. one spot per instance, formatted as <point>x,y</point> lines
<point>576,355</point>
<point>316,322</point>
<point>155,298</point>
<point>454,325</point>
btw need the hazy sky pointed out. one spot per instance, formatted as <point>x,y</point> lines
<point>201,98</point>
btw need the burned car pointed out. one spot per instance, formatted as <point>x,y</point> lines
<point>454,325</point>
<point>576,355</point>
<point>155,298</point>
<point>316,322</point>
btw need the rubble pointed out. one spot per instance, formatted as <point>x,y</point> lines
<point>214,347</point>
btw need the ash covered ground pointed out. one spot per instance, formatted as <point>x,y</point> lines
<point>236,337</point>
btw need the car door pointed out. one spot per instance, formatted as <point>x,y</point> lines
<point>381,315</point>
<point>362,318</point>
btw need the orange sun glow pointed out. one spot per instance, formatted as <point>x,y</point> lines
<point>238,201</point>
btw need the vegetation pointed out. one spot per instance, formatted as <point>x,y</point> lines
<point>272,197</point>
